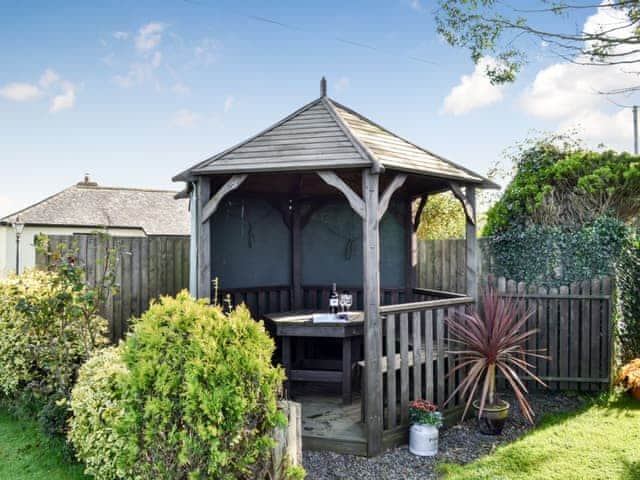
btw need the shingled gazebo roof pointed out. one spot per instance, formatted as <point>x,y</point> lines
<point>327,135</point>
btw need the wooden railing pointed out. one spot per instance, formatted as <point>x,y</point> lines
<point>415,363</point>
<point>260,300</point>
<point>278,298</point>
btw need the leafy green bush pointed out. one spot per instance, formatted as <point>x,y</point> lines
<point>561,184</point>
<point>47,330</point>
<point>96,403</point>
<point>628,298</point>
<point>201,396</point>
<point>17,365</point>
<point>198,399</point>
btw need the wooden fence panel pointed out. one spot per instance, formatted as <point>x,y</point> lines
<point>442,264</point>
<point>574,324</point>
<point>146,268</point>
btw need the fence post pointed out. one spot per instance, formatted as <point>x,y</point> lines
<point>472,246</point>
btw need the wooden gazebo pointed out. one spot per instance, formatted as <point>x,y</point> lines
<point>326,195</point>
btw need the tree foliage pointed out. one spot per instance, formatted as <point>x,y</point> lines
<point>442,217</point>
<point>504,30</point>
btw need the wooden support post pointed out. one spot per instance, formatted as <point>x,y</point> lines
<point>204,240</point>
<point>372,331</point>
<point>411,248</point>
<point>296,256</point>
<point>471,245</point>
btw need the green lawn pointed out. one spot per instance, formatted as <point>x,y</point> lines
<point>25,454</point>
<point>599,441</point>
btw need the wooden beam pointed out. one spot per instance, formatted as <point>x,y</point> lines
<point>469,207</point>
<point>204,240</point>
<point>395,184</point>
<point>418,216</point>
<point>352,197</point>
<point>212,205</point>
<point>372,395</point>
<point>471,244</point>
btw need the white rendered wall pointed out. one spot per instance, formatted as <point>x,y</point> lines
<point>27,249</point>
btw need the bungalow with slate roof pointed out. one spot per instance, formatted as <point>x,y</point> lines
<point>86,207</point>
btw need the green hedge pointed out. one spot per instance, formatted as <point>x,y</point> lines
<point>628,297</point>
<point>561,184</point>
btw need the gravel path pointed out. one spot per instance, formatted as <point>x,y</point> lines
<point>460,444</point>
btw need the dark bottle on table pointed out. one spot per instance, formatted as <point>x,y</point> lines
<point>334,300</point>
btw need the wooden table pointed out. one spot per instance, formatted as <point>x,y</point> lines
<point>299,324</point>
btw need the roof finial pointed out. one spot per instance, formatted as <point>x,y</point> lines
<point>323,87</point>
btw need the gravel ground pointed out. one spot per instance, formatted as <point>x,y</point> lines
<point>459,444</point>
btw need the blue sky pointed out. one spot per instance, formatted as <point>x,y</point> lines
<point>135,92</point>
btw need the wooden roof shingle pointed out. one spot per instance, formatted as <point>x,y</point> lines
<point>327,135</point>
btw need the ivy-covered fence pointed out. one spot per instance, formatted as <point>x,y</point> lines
<point>549,256</point>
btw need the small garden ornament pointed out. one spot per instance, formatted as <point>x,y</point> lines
<point>629,378</point>
<point>425,422</point>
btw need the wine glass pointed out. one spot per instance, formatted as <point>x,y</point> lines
<point>343,302</point>
<point>348,301</point>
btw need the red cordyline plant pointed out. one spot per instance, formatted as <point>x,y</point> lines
<point>492,341</point>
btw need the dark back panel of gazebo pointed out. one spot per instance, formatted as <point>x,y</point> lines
<point>251,255</point>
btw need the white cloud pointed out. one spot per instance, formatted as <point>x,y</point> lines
<point>139,72</point>
<point>569,93</point>
<point>185,118</point>
<point>48,78</point>
<point>205,51</point>
<point>415,4</point>
<point>228,103</point>
<point>181,89</point>
<point>20,92</point>
<point>62,93</point>
<point>342,84</point>
<point>120,35</point>
<point>473,91</point>
<point>64,100</point>
<point>108,59</point>
<point>156,60</point>
<point>149,36</point>
<point>614,130</point>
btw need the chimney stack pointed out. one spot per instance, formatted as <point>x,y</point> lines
<point>86,182</point>
<point>323,87</point>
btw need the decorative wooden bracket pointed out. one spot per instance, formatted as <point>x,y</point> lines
<point>352,197</point>
<point>212,205</point>
<point>395,184</point>
<point>418,217</point>
<point>468,206</point>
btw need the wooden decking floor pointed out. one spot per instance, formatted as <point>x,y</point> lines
<point>327,424</point>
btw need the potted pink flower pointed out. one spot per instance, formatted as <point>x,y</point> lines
<point>425,422</point>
